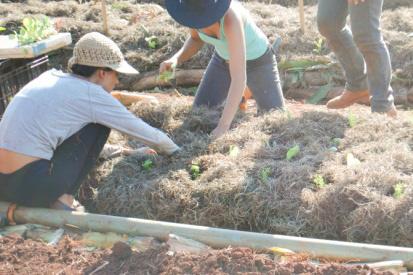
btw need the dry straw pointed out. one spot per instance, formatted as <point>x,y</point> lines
<point>260,190</point>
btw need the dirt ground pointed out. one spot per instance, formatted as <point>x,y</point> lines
<point>20,256</point>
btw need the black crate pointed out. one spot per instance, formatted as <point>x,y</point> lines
<point>15,73</point>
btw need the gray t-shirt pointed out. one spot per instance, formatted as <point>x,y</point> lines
<point>56,105</point>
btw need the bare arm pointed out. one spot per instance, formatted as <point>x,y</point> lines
<point>191,46</point>
<point>355,2</point>
<point>234,31</point>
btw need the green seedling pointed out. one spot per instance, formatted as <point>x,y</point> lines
<point>147,165</point>
<point>352,120</point>
<point>34,30</point>
<point>319,182</point>
<point>233,150</point>
<point>195,171</point>
<point>319,46</point>
<point>399,190</point>
<point>265,174</point>
<point>166,75</point>
<point>152,41</point>
<point>292,152</point>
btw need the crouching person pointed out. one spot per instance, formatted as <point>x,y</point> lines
<point>54,129</point>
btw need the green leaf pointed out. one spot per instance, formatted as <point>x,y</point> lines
<point>152,41</point>
<point>352,120</point>
<point>2,29</point>
<point>234,150</point>
<point>399,190</point>
<point>195,171</point>
<point>292,152</point>
<point>166,75</point>
<point>319,182</point>
<point>319,95</point>
<point>265,174</point>
<point>147,164</point>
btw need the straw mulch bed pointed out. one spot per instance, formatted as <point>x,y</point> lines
<point>318,193</point>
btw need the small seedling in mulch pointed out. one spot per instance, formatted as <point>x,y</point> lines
<point>352,120</point>
<point>233,151</point>
<point>399,190</point>
<point>265,174</point>
<point>152,41</point>
<point>195,171</point>
<point>147,165</point>
<point>319,46</point>
<point>319,182</point>
<point>292,152</point>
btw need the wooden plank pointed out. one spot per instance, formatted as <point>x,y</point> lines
<point>302,17</point>
<point>105,18</point>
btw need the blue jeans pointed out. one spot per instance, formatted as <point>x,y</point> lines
<point>262,79</point>
<point>40,183</point>
<point>361,52</point>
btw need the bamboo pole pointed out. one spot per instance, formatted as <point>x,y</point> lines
<point>105,18</point>
<point>214,237</point>
<point>302,18</point>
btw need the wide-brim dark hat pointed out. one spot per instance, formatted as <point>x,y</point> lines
<point>197,14</point>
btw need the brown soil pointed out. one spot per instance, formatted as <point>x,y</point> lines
<point>20,256</point>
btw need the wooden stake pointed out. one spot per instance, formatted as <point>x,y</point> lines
<point>105,18</point>
<point>302,19</point>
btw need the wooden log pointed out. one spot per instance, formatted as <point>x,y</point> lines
<point>214,237</point>
<point>150,80</point>
<point>293,86</point>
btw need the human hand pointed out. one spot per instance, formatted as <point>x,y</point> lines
<point>355,2</point>
<point>219,131</point>
<point>168,65</point>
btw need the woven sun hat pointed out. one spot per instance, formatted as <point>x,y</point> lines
<point>96,50</point>
<point>197,14</point>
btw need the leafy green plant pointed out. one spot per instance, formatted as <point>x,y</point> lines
<point>399,190</point>
<point>265,173</point>
<point>195,171</point>
<point>352,120</point>
<point>2,29</point>
<point>233,150</point>
<point>292,152</point>
<point>147,165</point>
<point>319,46</point>
<point>34,29</point>
<point>319,182</point>
<point>152,41</point>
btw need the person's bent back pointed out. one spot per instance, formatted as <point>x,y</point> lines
<point>54,129</point>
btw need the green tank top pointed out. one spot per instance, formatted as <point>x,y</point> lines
<point>256,42</point>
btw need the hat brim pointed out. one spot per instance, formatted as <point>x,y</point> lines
<point>124,68</point>
<point>184,15</point>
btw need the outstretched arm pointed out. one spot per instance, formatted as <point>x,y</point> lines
<point>234,31</point>
<point>191,46</point>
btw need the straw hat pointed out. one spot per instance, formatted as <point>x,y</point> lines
<point>96,50</point>
<point>197,14</point>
